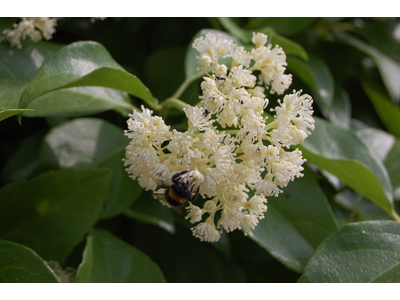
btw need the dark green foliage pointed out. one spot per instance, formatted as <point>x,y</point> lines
<point>65,195</point>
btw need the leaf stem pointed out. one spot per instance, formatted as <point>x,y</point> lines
<point>231,132</point>
<point>171,102</point>
<point>355,208</point>
<point>395,216</point>
<point>185,84</point>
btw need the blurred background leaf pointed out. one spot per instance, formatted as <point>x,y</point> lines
<point>298,220</point>
<point>52,212</point>
<point>86,143</point>
<point>108,259</point>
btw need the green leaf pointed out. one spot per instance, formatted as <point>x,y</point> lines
<point>51,213</point>
<point>341,108</point>
<point>22,64</point>
<point>90,143</point>
<point>360,208</point>
<point>343,154</point>
<point>18,67</point>
<point>379,142</point>
<point>290,47</point>
<point>317,76</point>
<point>69,102</point>
<point>296,223</point>
<point>149,210</point>
<point>386,148</point>
<point>24,159</point>
<point>285,26</point>
<point>6,113</point>
<point>191,62</point>
<point>109,259</point>
<point>183,258</point>
<point>358,252</point>
<point>19,264</point>
<point>388,112</point>
<point>243,35</point>
<point>388,67</point>
<point>392,164</point>
<point>83,64</point>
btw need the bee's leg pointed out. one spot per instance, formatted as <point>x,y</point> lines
<point>194,195</point>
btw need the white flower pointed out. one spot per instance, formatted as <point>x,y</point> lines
<point>272,64</point>
<point>241,57</point>
<point>248,223</point>
<point>223,166</point>
<point>197,118</point>
<point>224,159</point>
<point>267,187</point>
<point>242,77</point>
<point>34,28</point>
<point>258,91</point>
<point>145,129</point>
<point>256,206</point>
<point>259,39</point>
<point>230,218</point>
<point>213,46</point>
<point>206,231</point>
<point>293,120</point>
<point>195,213</point>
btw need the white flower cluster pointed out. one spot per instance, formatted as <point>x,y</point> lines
<point>226,164</point>
<point>34,28</point>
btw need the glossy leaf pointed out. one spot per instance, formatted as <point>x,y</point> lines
<point>109,259</point>
<point>69,102</point>
<point>82,64</point>
<point>392,163</point>
<point>245,36</point>
<point>149,210</point>
<point>284,26</point>
<point>358,252</point>
<point>388,112</point>
<point>51,213</point>
<point>317,76</point>
<point>377,141</point>
<point>6,113</point>
<point>22,64</point>
<point>18,67</point>
<point>341,108</point>
<point>19,264</point>
<point>290,47</point>
<point>88,143</point>
<point>388,67</point>
<point>235,30</point>
<point>296,223</point>
<point>343,154</point>
<point>386,148</point>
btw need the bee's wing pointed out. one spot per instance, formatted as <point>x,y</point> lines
<point>160,195</point>
<point>178,209</point>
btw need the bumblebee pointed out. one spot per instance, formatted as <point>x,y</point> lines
<point>181,191</point>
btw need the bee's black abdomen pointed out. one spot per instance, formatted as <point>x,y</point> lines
<point>171,201</point>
